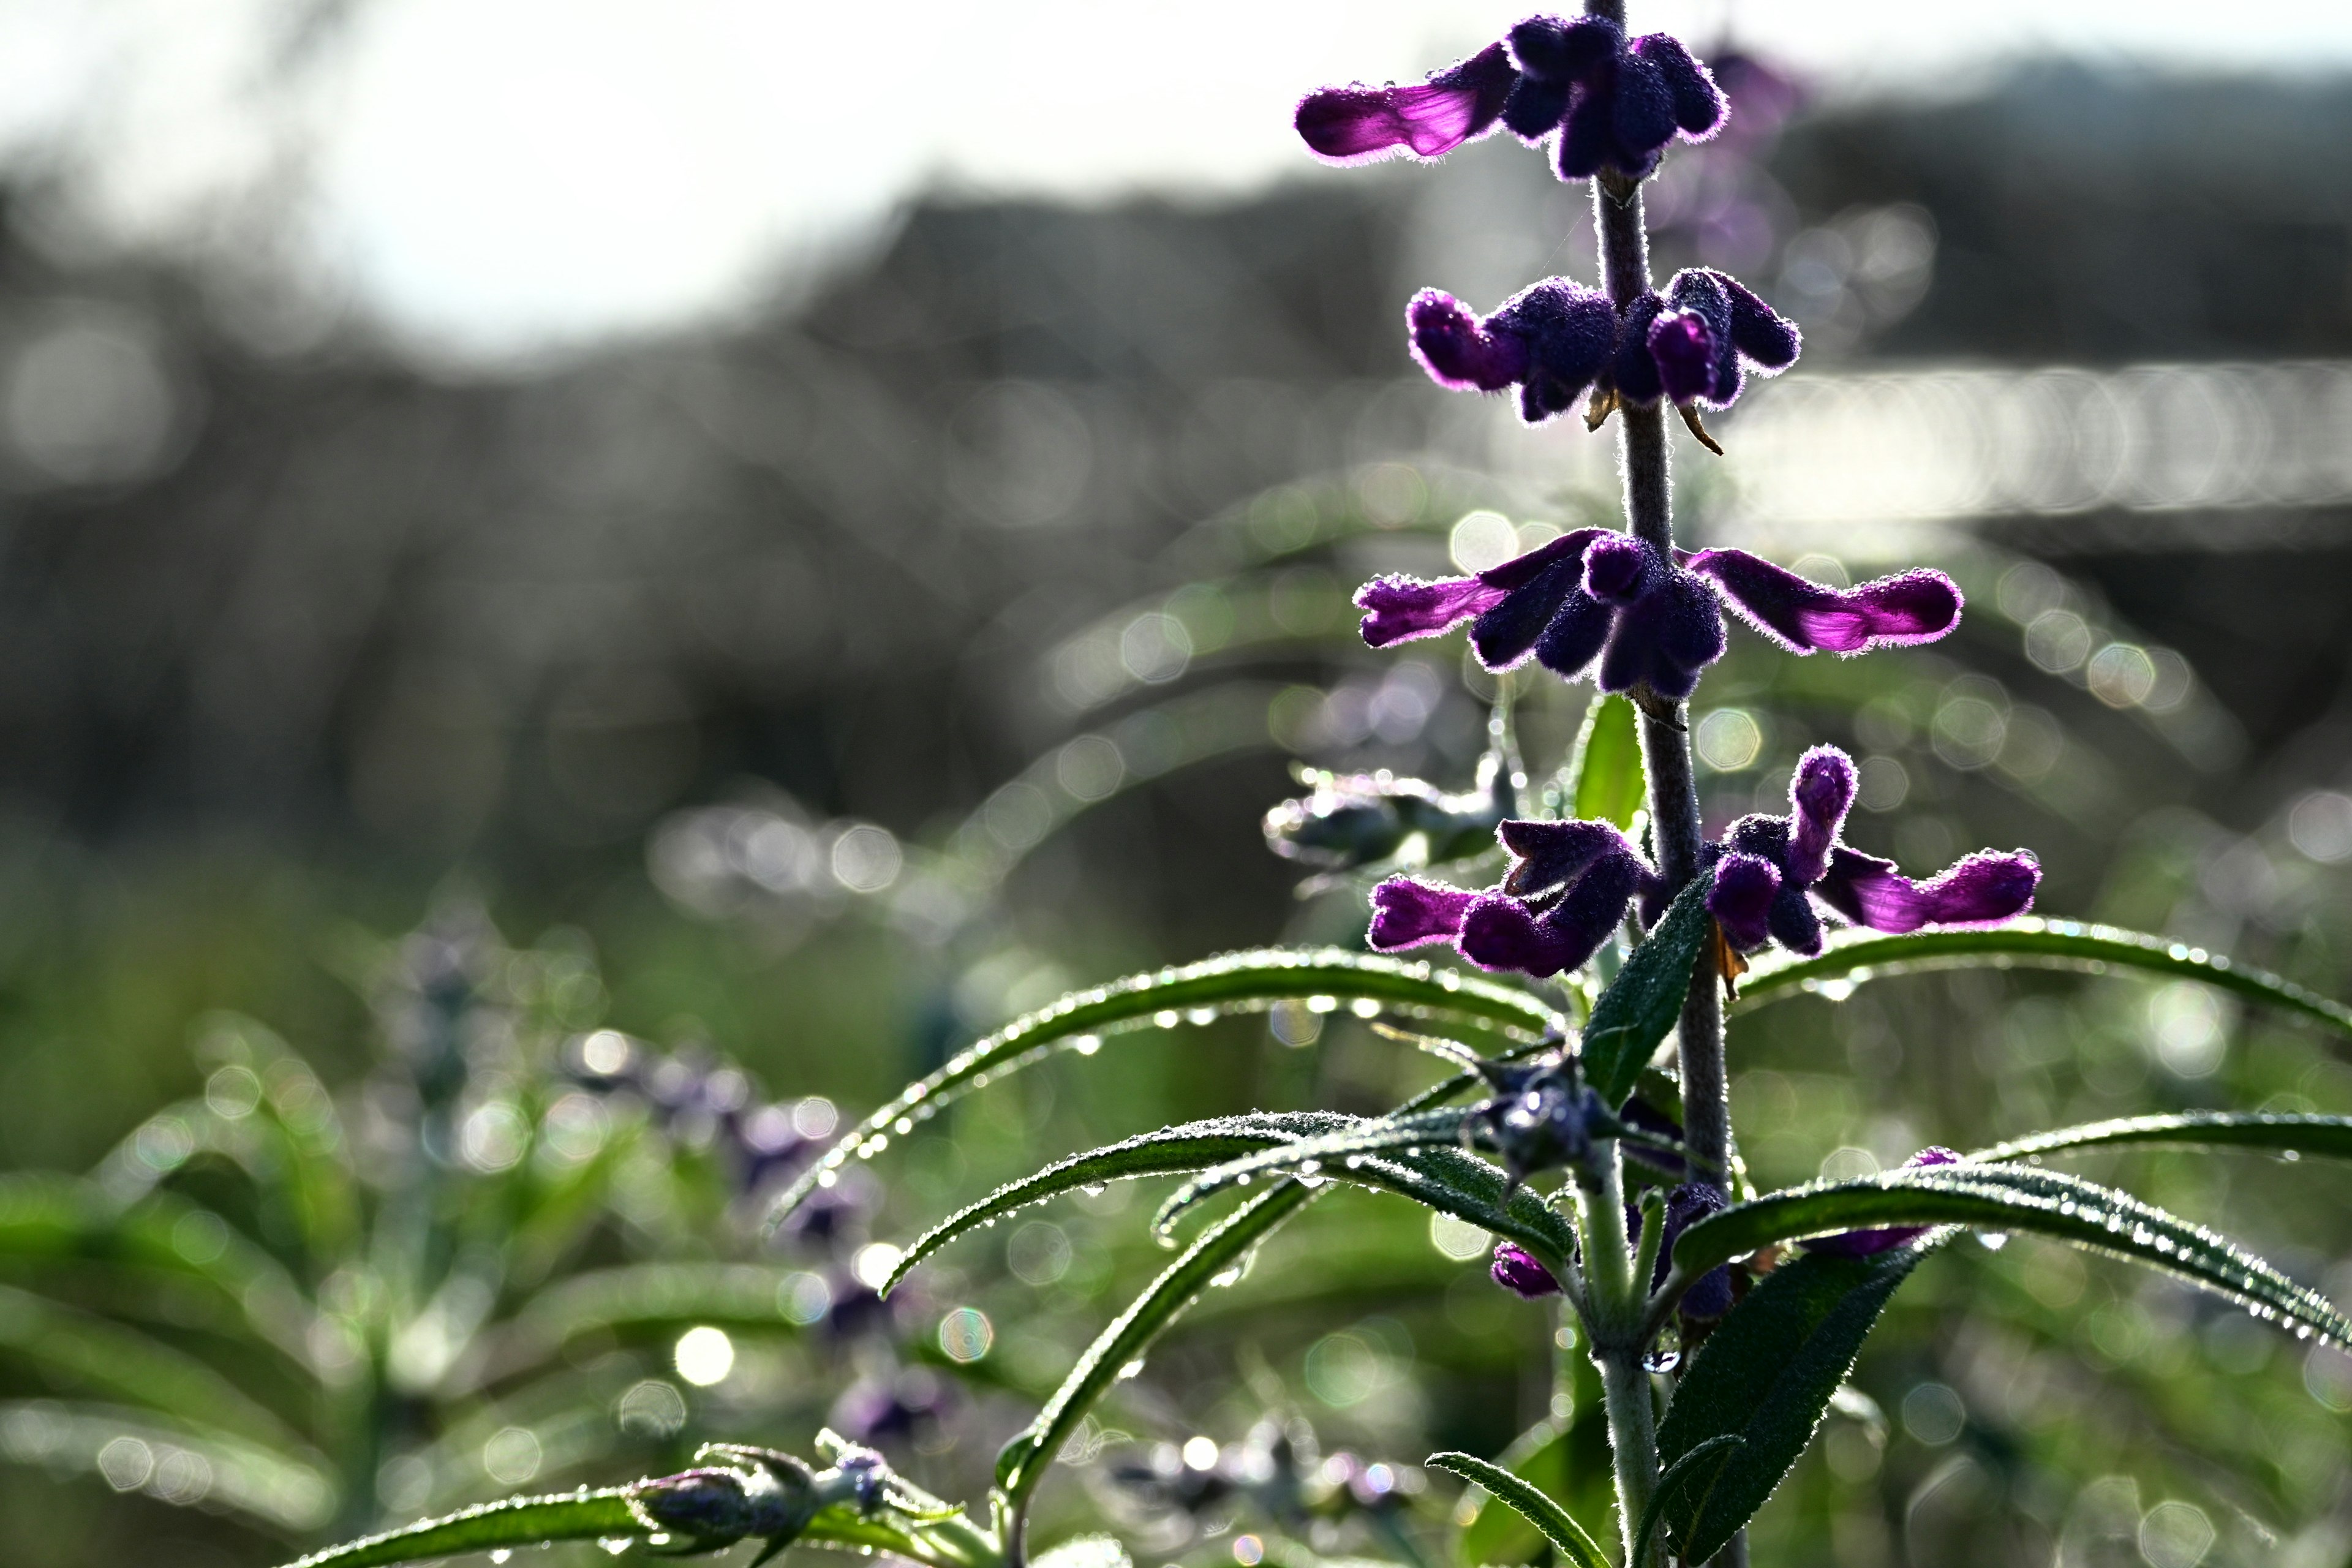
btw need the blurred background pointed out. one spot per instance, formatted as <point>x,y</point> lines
<point>771,544</point>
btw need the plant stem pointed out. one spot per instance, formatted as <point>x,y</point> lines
<point>1616,1300</point>
<point>1665,735</point>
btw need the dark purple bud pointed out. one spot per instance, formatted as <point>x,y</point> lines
<point>1663,638</point>
<point>1643,118</point>
<point>1535,109</point>
<point>1634,370</point>
<point>1360,124</point>
<point>1769,340</point>
<point>1820,795</point>
<point>1551,854</point>
<point>1400,609</point>
<point>885,1409</point>
<point>1805,616</point>
<point>1685,351</point>
<point>1406,913</point>
<point>1570,332</point>
<point>1517,1270</point>
<point>1586,136</point>
<point>1982,888</point>
<point>717,1503</point>
<point>1741,899</point>
<point>1550,49</point>
<point>1869,1242</point>
<point>1710,1296</point>
<point>1617,568</point>
<point>1698,103</point>
<point>1461,352</point>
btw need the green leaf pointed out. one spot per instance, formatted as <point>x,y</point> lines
<point>1686,1472</point>
<point>583,1515</point>
<point>1646,998</point>
<point>1304,1156</point>
<point>1238,982</point>
<point>1559,1528</point>
<point>1195,1146</point>
<point>125,1363</point>
<point>2278,1133</point>
<point>183,1464</point>
<point>1605,779</point>
<point>1765,1375</point>
<point>1854,956</point>
<point>2013,1198</point>
<point>1022,1463</point>
<point>1490,1531</point>
<point>644,1297</point>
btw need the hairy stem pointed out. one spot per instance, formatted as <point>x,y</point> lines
<point>1617,1302</point>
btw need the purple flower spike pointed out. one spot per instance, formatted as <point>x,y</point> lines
<point>1569,886</point>
<point>1517,1270</point>
<point>1805,616</point>
<point>1551,341</point>
<point>1870,1243</point>
<point>1361,124</point>
<point>1803,854</point>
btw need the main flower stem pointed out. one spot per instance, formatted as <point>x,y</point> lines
<point>1614,1321</point>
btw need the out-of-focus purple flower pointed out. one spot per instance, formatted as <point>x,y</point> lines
<point>1869,1242</point>
<point>883,1409</point>
<point>1360,124</point>
<point>1597,600</point>
<point>1552,339</point>
<point>1765,867</point>
<point>1694,345</point>
<point>1710,1296</point>
<point>1517,1270</point>
<point>1568,888</point>
<point>1612,103</point>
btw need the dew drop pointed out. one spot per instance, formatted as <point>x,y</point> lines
<point>1167,1018</point>
<point>1661,1361</point>
<point>1093,1189</point>
<point>1202,1015</point>
<point>1131,1369</point>
<point>615,1544</point>
<point>1087,1044</point>
<point>502,1554</point>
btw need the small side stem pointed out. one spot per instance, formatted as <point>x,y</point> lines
<point>1616,1308</point>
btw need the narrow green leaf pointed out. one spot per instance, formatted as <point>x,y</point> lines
<point>1493,1533</point>
<point>1195,1146</point>
<point>1238,982</point>
<point>1646,998</point>
<point>645,1296</point>
<point>1529,1503</point>
<point>584,1515</point>
<point>1605,770</point>
<point>1688,1470</point>
<point>1306,1156</point>
<point>278,1490</point>
<point>1856,955</point>
<point>2014,1198</point>
<point>125,1363</point>
<point>1022,1463</point>
<point>1765,1375</point>
<point>2278,1133</point>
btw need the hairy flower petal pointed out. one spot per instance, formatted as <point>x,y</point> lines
<point>1805,616</point>
<point>1360,124</point>
<point>1982,888</point>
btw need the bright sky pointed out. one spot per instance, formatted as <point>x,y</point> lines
<point>496,176</point>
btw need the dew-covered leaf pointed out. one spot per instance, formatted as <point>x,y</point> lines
<point>1238,982</point>
<point>1307,1156</point>
<point>1854,956</point>
<point>1530,1503</point>
<point>1638,1007</point>
<point>1765,1375</point>
<point>2259,1130</point>
<point>171,1461</point>
<point>2005,1199</point>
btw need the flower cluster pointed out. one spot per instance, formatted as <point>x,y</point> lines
<point>1693,345</point>
<point>1596,600</point>
<point>701,1100</point>
<point>1607,102</point>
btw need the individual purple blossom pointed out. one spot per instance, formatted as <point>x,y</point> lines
<point>1360,124</point>
<point>1611,103</point>
<point>1552,339</point>
<point>1869,1242</point>
<point>1768,869</point>
<point>1694,345</point>
<point>1569,888</point>
<point>1594,599</point>
<point>1517,1270</point>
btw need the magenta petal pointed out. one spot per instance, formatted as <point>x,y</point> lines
<point>1805,618</point>
<point>1869,1242</point>
<point>1398,609</point>
<point>1460,350</point>
<point>1357,124</point>
<point>1741,899</point>
<point>1984,888</point>
<point>1517,1270</point>
<point>1406,913</point>
<point>1820,795</point>
<point>1685,352</point>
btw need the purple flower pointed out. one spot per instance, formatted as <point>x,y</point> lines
<point>1709,1296</point>
<point>1693,344</point>
<point>881,1409</point>
<point>1360,124</point>
<point>1568,890</point>
<point>1552,340</point>
<point>1595,597</point>
<point>1517,1270</point>
<point>1764,866</point>
<point>1868,1243</point>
